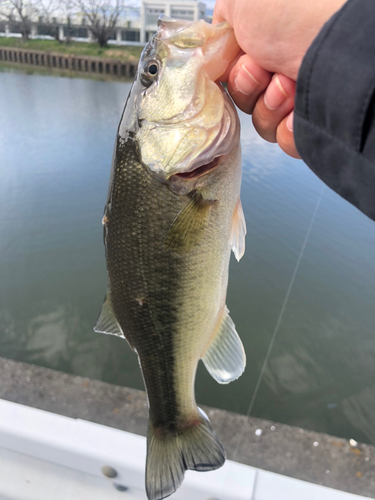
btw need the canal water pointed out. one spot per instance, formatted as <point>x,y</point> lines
<point>302,297</point>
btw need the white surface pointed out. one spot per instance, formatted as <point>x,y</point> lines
<point>271,486</point>
<point>27,478</point>
<point>45,456</point>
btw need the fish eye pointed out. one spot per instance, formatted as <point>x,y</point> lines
<point>149,72</point>
<point>153,69</point>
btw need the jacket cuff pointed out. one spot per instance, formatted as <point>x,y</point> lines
<point>334,122</point>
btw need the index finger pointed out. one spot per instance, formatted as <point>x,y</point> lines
<point>222,13</point>
<point>246,82</point>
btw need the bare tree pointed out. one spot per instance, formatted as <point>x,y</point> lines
<point>68,10</point>
<point>52,14</point>
<point>18,13</point>
<point>101,17</point>
<point>47,12</point>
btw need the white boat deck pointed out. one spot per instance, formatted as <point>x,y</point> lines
<point>45,456</point>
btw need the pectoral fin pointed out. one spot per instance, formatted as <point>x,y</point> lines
<point>188,227</point>
<point>225,357</point>
<point>237,237</point>
<point>107,322</point>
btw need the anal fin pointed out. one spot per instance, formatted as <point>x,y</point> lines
<point>107,322</point>
<point>225,357</point>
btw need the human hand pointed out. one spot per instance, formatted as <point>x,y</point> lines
<point>274,36</point>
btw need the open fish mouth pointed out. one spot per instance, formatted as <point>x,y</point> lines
<point>199,171</point>
<point>191,168</point>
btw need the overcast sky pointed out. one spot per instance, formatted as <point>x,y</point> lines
<point>209,3</point>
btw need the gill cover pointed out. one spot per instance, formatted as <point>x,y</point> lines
<point>180,118</point>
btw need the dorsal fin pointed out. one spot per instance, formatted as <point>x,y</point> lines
<point>107,322</point>
<point>225,357</point>
<point>237,237</point>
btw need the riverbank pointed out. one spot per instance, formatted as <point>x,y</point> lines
<point>28,69</point>
<point>125,53</point>
<point>291,451</point>
<point>83,64</point>
<point>75,59</point>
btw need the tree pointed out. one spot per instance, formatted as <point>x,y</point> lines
<point>47,12</point>
<point>101,17</point>
<point>18,13</point>
<point>53,13</point>
<point>68,11</point>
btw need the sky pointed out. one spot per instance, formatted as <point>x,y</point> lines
<point>209,3</point>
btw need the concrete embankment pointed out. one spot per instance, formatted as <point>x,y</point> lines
<point>310,456</point>
<point>70,62</point>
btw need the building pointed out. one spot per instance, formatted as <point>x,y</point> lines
<point>135,25</point>
<point>190,10</point>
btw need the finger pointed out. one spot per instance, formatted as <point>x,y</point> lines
<point>246,82</point>
<point>225,76</point>
<point>285,137</point>
<point>222,12</point>
<point>217,16</point>
<point>272,107</point>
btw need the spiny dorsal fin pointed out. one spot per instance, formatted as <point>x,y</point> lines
<point>237,237</point>
<point>188,227</point>
<point>107,322</point>
<point>225,357</point>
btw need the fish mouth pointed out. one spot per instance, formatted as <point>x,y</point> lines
<point>211,157</point>
<point>213,144</point>
<point>199,171</point>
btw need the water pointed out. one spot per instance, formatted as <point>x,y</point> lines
<point>302,297</point>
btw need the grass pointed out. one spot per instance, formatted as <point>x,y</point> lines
<point>119,52</point>
<point>27,69</point>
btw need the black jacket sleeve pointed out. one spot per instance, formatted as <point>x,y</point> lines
<point>334,120</point>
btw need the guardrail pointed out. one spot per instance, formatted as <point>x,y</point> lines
<point>84,64</point>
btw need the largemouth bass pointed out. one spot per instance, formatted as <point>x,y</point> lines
<point>172,216</point>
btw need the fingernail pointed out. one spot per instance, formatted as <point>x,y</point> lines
<point>275,94</point>
<point>289,122</point>
<point>245,82</point>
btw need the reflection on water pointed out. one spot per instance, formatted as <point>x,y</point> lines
<point>360,410</point>
<point>306,317</point>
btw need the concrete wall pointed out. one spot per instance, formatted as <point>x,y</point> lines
<point>291,451</point>
<point>71,62</point>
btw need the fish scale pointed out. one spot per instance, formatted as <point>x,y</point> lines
<point>140,271</point>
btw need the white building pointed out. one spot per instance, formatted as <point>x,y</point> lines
<point>135,25</point>
<point>191,10</point>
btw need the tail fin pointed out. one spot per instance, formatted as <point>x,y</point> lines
<point>169,456</point>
